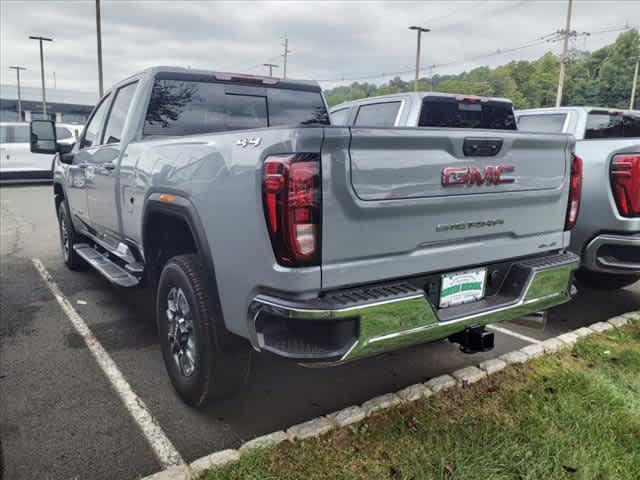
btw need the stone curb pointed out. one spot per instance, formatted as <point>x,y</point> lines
<point>460,378</point>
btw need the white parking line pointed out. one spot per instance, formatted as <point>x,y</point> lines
<point>514,334</point>
<point>160,444</point>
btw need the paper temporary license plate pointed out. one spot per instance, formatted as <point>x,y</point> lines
<point>462,287</point>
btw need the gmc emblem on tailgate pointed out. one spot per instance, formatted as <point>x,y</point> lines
<point>492,175</point>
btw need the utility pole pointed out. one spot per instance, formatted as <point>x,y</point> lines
<point>633,85</point>
<point>432,69</point>
<point>44,95</point>
<point>17,68</point>
<point>419,30</point>
<point>99,35</point>
<point>566,34</point>
<point>55,83</point>
<point>285,55</point>
<point>271,66</point>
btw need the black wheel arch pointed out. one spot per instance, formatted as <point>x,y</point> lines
<point>183,210</point>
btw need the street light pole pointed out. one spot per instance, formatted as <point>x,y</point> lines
<point>270,66</point>
<point>17,68</point>
<point>44,95</point>
<point>566,33</point>
<point>99,35</point>
<point>419,30</point>
<point>634,84</point>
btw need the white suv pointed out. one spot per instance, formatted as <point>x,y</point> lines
<point>17,163</point>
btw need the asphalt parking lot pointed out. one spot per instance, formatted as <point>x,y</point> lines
<point>60,417</point>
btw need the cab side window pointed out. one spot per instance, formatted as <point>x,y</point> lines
<point>118,114</point>
<point>340,117</point>
<point>92,131</point>
<point>377,114</point>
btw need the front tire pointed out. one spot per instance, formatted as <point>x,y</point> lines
<point>201,365</point>
<point>68,238</point>
<point>605,281</point>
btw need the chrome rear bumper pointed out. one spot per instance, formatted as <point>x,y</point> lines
<point>395,315</point>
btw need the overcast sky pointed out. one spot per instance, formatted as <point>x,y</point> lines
<point>328,39</point>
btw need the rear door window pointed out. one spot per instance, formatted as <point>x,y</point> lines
<point>377,114</point>
<point>118,114</point>
<point>466,112</point>
<point>545,123</point>
<point>605,124</point>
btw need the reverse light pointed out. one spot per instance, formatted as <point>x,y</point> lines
<point>291,192</point>
<point>625,183</point>
<point>575,193</point>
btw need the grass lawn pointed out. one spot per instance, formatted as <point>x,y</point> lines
<point>573,415</point>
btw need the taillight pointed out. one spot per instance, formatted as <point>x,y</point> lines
<point>575,192</point>
<point>625,183</point>
<point>291,189</point>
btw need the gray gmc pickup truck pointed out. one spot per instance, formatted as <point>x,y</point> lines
<point>607,234</point>
<point>258,224</point>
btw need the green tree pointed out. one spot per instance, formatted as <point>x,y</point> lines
<point>602,78</point>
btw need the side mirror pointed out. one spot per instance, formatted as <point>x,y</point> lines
<point>43,137</point>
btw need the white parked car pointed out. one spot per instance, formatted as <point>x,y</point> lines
<point>17,163</point>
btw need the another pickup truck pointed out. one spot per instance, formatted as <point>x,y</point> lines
<point>257,223</point>
<point>426,109</point>
<point>607,235</point>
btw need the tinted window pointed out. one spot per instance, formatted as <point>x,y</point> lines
<point>296,107</point>
<point>550,123</point>
<point>63,133</point>
<point>377,115</point>
<point>118,114</point>
<point>340,117</point>
<point>95,124</point>
<point>244,112</point>
<point>602,124</point>
<point>451,112</point>
<point>186,108</point>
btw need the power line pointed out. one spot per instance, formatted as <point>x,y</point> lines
<point>454,12</point>
<point>440,65</point>
<point>500,51</point>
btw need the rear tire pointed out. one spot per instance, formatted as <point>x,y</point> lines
<point>202,362</point>
<point>68,238</point>
<point>605,281</point>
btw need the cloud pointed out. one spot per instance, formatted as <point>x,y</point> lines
<point>328,40</point>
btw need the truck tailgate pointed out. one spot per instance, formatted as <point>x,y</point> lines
<point>387,214</point>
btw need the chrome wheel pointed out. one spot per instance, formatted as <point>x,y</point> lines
<point>182,342</point>
<point>64,237</point>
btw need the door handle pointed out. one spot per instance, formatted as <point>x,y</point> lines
<point>109,166</point>
<point>83,165</point>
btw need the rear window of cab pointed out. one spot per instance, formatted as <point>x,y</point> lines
<point>185,107</point>
<point>612,124</point>
<point>466,112</point>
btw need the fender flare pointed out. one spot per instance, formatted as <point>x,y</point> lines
<point>184,210</point>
